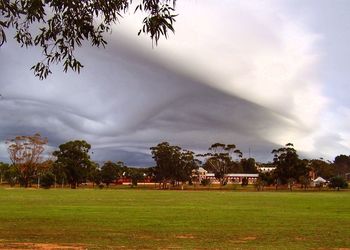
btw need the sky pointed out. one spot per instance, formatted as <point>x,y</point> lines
<point>258,74</point>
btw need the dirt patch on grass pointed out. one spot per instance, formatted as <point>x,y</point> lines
<point>243,239</point>
<point>40,246</point>
<point>185,236</point>
<point>248,238</point>
<point>341,248</point>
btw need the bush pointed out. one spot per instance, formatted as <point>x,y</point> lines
<point>260,184</point>
<point>205,182</point>
<point>244,182</point>
<point>338,182</point>
<point>47,180</point>
<point>11,176</point>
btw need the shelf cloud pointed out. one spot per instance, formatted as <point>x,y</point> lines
<point>234,72</point>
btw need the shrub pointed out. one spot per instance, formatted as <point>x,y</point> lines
<point>47,180</point>
<point>205,182</point>
<point>260,184</point>
<point>11,176</point>
<point>338,182</point>
<point>244,182</point>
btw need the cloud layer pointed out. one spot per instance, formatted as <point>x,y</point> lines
<point>235,72</point>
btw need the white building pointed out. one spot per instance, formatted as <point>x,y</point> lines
<point>201,173</point>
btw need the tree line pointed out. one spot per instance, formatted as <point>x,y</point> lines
<point>70,164</point>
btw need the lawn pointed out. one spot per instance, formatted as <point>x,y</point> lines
<point>153,219</point>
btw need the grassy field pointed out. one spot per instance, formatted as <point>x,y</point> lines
<point>151,219</point>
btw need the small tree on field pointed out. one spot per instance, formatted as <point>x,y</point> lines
<point>26,154</point>
<point>109,173</point>
<point>174,164</point>
<point>74,159</point>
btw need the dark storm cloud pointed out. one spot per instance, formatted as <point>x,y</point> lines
<point>256,86</point>
<point>124,103</point>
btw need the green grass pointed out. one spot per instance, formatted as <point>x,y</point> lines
<point>151,219</point>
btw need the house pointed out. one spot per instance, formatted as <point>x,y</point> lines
<point>265,168</point>
<point>237,178</point>
<point>319,182</point>
<point>201,174</point>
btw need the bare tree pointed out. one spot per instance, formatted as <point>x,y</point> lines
<point>26,154</point>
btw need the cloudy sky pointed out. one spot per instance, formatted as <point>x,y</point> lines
<point>258,74</point>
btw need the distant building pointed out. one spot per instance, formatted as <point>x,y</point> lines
<point>237,178</point>
<point>319,182</point>
<point>265,167</point>
<point>201,174</point>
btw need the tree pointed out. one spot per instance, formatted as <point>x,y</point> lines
<point>322,168</point>
<point>136,175</point>
<point>235,167</point>
<point>342,165</point>
<point>11,175</point>
<point>249,166</point>
<point>59,27</point>
<point>94,174</point>
<point>45,169</point>
<point>219,160</point>
<point>109,172</point>
<point>73,157</point>
<point>174,165</point>
<point>304,181</point>
<point>244,181</point>
<point>288,165</point>
<point>267,178</point>
<point>47,180</point>
<point>338,182</point>
<point>60,174</point>
<point>4,167</point>
<point>26,154</point>
<point>260,184</point>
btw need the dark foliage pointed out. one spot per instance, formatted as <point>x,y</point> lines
<point>73,157</point>
<point>59,27</point>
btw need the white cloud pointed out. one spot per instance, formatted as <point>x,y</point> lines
<point>254,50</point>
